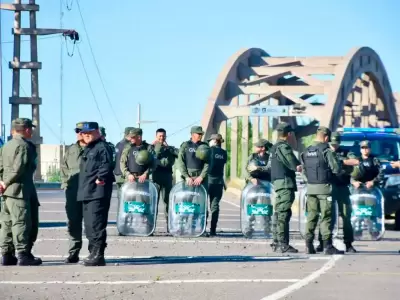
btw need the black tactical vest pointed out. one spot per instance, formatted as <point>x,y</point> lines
<point>369,169</point>
<point>192,162</point>
<point>218,159</point>
<point>278,169</point>
<point>133,167</point>
<point>316,168</point>
<point>263,160</point>
<point>118,152</point>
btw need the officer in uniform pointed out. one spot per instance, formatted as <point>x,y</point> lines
<point>20,206</point>
<point>283,165</point>
<point>69,182</point>
<point>111,145</point>
<point>261,157</point>
<point>368,173</point>
<point>216,184</point>
<point>341,194</point>
<point>137,163</point>
<point>319,165</point>
<point>257,170</point>
<point>94,190</point>
<point>162,174</point>
<point>193,169</point>
<point>119,148</point>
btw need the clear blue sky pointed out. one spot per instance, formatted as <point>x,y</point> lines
<point>168,54</point>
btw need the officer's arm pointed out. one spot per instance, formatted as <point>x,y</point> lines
<point>248,176</point>
<point>124,162</point>
<point>381,174</point>
<point>333,161</point>
<point>1,164</point>
<point>181,163</point>
<point>20,162</point>
<point>286,156</point>
<point>153,162</point>
<point>204,171</point>
<point>64,170</point>
<point>105,168</point>
<point>303,169</point>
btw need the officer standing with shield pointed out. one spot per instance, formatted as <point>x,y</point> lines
<point>20,206</point>
<point>257,170</point>
<point>341,194</point>
<point>69,182</point>
<point>193,163</point>
<point>216,184</point>
<point>95,188</point>
<point>137,163</point>
<point>119,148</point>
<point>162,174</point>
<point>283,165</point>
<point>319,165</point>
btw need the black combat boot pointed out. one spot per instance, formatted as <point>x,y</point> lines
<point>320,247</point>
<point>73,258</point>
<point>330,249</point>
<point>310,248</point>
<point>27,259</point>
<point>9,259</point>
<point>96,257</point>
<point>274,246</point>
<point>213,232</point>
<point>350,248</point>
<point>285,248</point>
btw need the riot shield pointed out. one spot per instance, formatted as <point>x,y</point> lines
<point>257,209</point>
<point>187,210</point>
<point>368,215</point>
<point>137,214</point>
<point>303,215</point>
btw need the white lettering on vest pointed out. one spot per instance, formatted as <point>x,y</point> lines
<point>219,156</point>
<point>192,150</point>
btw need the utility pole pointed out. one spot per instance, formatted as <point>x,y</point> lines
<point>34,66</point>
<point>139,119</point>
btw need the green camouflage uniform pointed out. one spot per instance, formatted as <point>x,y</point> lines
<point>20,208</point>
<point>74,208</point>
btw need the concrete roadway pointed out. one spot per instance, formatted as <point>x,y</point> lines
<point>226,267</point>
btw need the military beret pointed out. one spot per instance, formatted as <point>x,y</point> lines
<point>365,144</point>
<point>216,136</point>
<point>197,129</point>
<point>89,126</point>
<point>284,127</point>
<point>127,129</point>
<point>102,131</point>
<point>135,132</point>
<point>20,123</point>
<point>262,143</point>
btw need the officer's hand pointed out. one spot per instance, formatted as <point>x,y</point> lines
<point>189,181</point>
<point>299,168</point>
<point>131,178</point>
<point>395,164</point>
<point>356,184</point>
<point>254,181</point>
<point>2,187</point>
<point>369,184</point>
<point>351,162</point>
<point>142,178</point>
<point>198,181</point>
<point>100,182</point>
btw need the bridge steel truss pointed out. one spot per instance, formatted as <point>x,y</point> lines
<point>355,89</point>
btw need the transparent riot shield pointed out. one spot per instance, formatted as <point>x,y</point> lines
<point>368,215</point>
<point>187,210</point>
<point>137,214</point>
<point>257,209</point>
<point>303,216</point>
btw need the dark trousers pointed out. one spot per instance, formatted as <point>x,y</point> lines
<point>215,192</point>
<point>74,211</point>
<point>95,216</point>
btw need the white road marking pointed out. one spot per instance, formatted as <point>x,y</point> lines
<point>148,281</point>
<point>305,281</point>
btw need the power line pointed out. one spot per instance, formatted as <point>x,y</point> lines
<point>90,85</point>
<point>97,67</point>
<point>39,38</point>
<point>183,128</point>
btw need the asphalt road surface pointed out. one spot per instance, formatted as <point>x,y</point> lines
<point>225,267</point>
